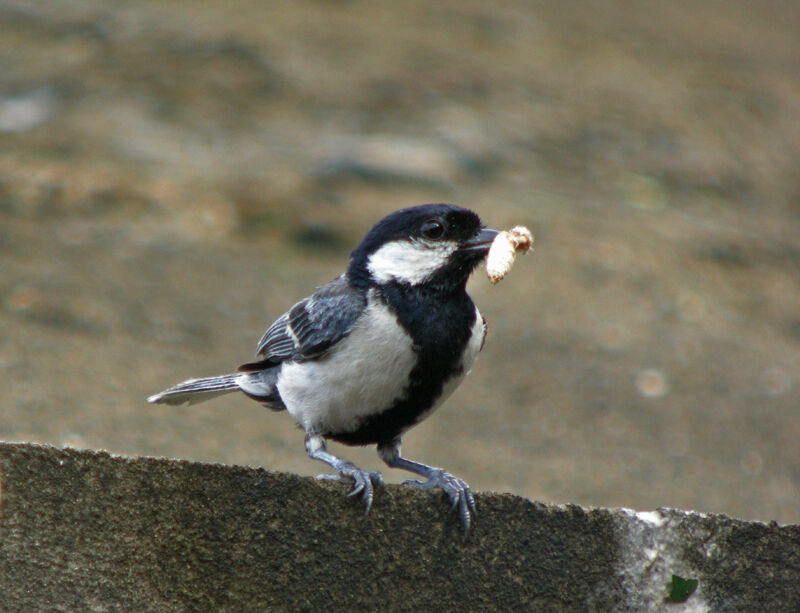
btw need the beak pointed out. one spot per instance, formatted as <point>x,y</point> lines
<point>481,241</point>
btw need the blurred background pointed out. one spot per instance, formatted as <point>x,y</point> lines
<point>174,175</point>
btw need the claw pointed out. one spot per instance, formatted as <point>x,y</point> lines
<point>364,483</point>
<point>456,489</point>
<point>329,477</point>
<point>358,488</point>
<point>363,480</point>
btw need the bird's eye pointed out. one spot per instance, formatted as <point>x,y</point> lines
<point>432,229</point>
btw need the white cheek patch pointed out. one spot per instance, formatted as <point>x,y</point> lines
<point>409,262</point>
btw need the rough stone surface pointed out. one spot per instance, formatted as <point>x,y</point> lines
<point>83,530</point>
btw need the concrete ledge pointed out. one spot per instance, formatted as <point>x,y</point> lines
<point>82,530</point>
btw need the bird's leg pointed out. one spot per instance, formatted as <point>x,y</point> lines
<point>456,489</point>
<point>363,479</point>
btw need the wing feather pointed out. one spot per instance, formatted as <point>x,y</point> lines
<point>276,342</point>
<point>312,326</point>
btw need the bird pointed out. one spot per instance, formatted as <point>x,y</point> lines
<point>375,351</point>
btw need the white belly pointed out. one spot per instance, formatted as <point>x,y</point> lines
<point>363,375</point>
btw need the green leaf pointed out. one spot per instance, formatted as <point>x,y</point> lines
<point>681,588</point>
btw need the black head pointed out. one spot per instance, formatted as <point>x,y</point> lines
<point>431,244</point>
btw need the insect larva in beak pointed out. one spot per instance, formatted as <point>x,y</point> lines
<point>504,249</point>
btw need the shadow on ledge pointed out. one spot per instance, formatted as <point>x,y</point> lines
<point>82,530</point>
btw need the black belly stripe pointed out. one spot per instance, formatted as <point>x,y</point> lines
<point>440,329</point>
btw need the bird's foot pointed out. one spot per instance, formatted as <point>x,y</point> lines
<point>456,489</point>
<point>364,481</point>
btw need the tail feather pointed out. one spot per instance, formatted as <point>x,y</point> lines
<point>197,390</point>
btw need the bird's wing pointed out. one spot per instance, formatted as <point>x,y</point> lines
<point>277,344</point>
<point>312,326</point>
